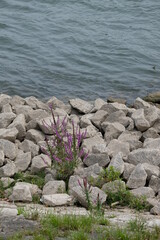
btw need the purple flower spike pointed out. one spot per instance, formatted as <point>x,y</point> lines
<point>64,148</point>
<point>85,183</point>
<point>85,157</point>
<point>79,183</point>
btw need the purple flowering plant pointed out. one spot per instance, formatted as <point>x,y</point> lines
<point>65,148</point>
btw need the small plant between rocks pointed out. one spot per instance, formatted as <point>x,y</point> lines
<point>107,175</point>
<point>124,197</point>
<point>2,189</point>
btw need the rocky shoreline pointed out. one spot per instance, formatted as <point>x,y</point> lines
<point>126,138</point>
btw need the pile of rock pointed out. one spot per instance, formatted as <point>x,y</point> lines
<point>126,138</point>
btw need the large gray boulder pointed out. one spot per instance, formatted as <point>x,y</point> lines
<point>98,103</point>
<point>152,201</point>
<point>114,107</point>
<point>21,193</point>
<point>8,170</point>
<point>6,108</point>
<point>1,157</point>
<point>9,134</point>
<point>112,130</point>
<point>137,178</point>
<point>117,162</point>
<point>93,158</point>
<point>37,114</point>
<point>156,209</point>
<point>56,103</point>
<point>22,161</point>
<point>81,105</point>
<point>112,99</point>
<point>139,119</point>
<point>74,118</point>
<point>143,191</point>
<point>53,200</point>
<point>98,118</point>
<point>140,103</point>
<point>9,148</point>
<point>128,169</point>
<point>20,124</point>
<point>6,119</point>
<point>150,133</point>
<point>55,186</point>
<point>131,126</point>
<point>141,155</point>
<point>99,148</point>
<point>33,124</point>
<point>79,194</point>
<point>34,189</point>
<point>89,143</point>
<point>4,99</point>
<point>116,146</point>
<point>156,126</point>
<point>91,131</point>
<point>85,120</point>
<point>155,183</point>
<point>152,143</point>
<point>120,117</point>
<point>23,109</point>
<point>36,103</point>
<point>17,100</point>
<point>151,114</point>
<point>151,170</point>
<point>131,137</point>
<point>35,135</point>
<point>59,112</point>
<point>29,146</point>
<point>40,162</point>
<point>93,170</point>
<point>74,182</point>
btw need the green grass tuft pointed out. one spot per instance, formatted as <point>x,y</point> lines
<point>126,198</point>
<point>107,175</point>
<point>79,235</point>
<point>68,223</point>
<point>38,178</point>
<point>88,228</point>
<point>2,189</point>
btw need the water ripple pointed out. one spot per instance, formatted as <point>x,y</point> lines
<point>79,48</point>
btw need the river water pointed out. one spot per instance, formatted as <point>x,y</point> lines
<point>79,48</point>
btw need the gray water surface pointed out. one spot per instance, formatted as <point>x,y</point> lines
<point>79,48</point>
